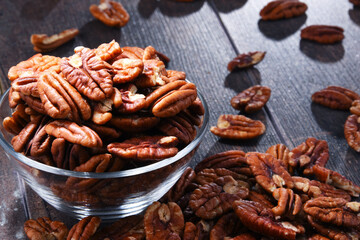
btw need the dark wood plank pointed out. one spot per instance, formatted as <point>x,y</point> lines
<point>294,69</point>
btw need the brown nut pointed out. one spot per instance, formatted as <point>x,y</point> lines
<point>309,153</point>
<point>352,132</point>
<point>261,220</point>
<point>355,107</point>
<point>283,9</point>
<point>268,171</point>
<point>131,101</point>
<point>209,175</point>
<point>252,99</point>
<point>132,52</point>
<point>163,221</point>
<point>108,51</point>
<point>110,13</point>
<point>333,211</point>
<point>336,179</point>
<point>45,43</point>
<point>317,189</point>
<point>84,229</point>
<point>178,190</point>
<point>88,74</point>
<point>246,60</point>
<point>74,133</point>
<point>44,228</point>
<point>34,66</point>
<point>237,127</point>
<point>26,86</point>
<point>17,121</point>
<point>134,123</point>
<point>226,227</point>
<point>14,98</point>
<point>34,103</point>
<point>281,152</point>
<point>323,34</point>
<point>335,97</point>
<point>147,148</point>
<point>151,74</point>
<point>172,75</point>
<point>263,199</point>
<point>20,141</point>
<point>318,237</point>
<point>214,199</point>
<point>127,69</point>
<point>40,144</point>
<point>355,2</point>
<point>288,203</point>
<point>244,236</point>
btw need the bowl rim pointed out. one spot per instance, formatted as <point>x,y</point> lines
<point>118,174</point>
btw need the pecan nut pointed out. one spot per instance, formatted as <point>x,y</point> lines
<point>226,227</point>
<point>145,148</point>
<point>84,229</point>
<point>44,228</point>
<point>20,141</point>
<point>283,9</point>
<point>178,190</point>
<point>268,171</point>
<point>127,69</point>
<point>237,127</point>
<point>261,220</point>
<point>323,34</point>
<point>355,107</point>
<point>33,103</point>
<point>73,133</point>
<point>17,121</point>
<point>108,51</point>
<point>26,86</point>
<point>110,13</point>
<point>263,199</point>
<point>317,189</point>
<point>132,52</point>
<point>163,221</point>
<point>45,43</point>
<point>134,123</point>
<point>14,98</point>
<point>246,60</point>
<point>131,101</point>
<point>252,99</point>
<point>209,175</point>
<point>352,132</point>
<point>88,74</point>
<point>289,203</point>
<point>335,97</point>
<point>172,75</point>
<point>152,74</point>
<point>281,152</point>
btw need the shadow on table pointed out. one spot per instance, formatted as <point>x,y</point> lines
<point>241,79</point>
<point>322,52</point>
<point>94,33</point>
<point>37,9</point>
<point>354,15</point>
<point>229,6</point>
<point>281,29</point>
<point>168,8</point>
<point>330,120</point>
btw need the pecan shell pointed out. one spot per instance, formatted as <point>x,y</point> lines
<point>352,132</point>
<point>252,99</point>
<point>44,228</point>
<point>335,97</point>
<point>323,34</point>
<point>283,9</point>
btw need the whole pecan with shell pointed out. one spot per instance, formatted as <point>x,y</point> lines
<point>268,171</point>
<point>323,34</point>
<point>252,99</point>
<point>352,132</point>
<point>110,13</point>
<point>163,221</point>
<point>44,228</point>
<point>45,43</point>
<point>283,9</point>
<point>246,60</point>
<point>84,229</point>
<point>237,127</point>
<point>335,97</point>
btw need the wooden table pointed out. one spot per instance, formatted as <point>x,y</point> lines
<point>200,38</point>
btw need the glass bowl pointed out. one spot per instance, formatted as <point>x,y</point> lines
<point>109,195</point>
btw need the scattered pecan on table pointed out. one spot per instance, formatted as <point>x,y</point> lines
<point>283,9</point>
<point>246,60</point>
<point>45,43</point>
<point>252,99</point>
<point>323,34</point>
<point>335,97</point>
<point>111,13</point>
<point>352,132</point>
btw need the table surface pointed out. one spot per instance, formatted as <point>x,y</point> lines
<point>201,37</point>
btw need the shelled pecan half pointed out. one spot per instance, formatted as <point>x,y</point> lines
<point>281,152</point>
<point>335,97</point>
<point>84,229</point>
<point>110,13</point>
<point>355,107</point>
<point>283,9</point>
<point>252,99</point>
<point>289,203</point>
<point>17,121</point>
<point>226,227</point>
<point>352,132</point>
<point>246,60</point>
<point>108,51</point>
<point>323,34</point>
<point>44,228</point>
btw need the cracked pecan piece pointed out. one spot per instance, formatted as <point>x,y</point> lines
<point>335,211</point>
<point>281,152</point>
<point>163,221</point>
<point>335,97</point>
<point>111,13</point>
<point>108,51</point>
<point>355,108</point>
<point>88,74</point>
<point>308,154</point>
<point>151,74</point>
<point>226,227</point>
<point>134,123</point>
<point>283,9</point>
<point>323,34</point>
<point>261,220</point>
<point>179,189</point>
<point>246,60</point>
<point>45,43</point>
<point>268,171</point>
<point>126,70</point>
<point>84,229</point>
<point>44,228</point>
<point>289,203</point>
<point>131,100</point>
<point>352,132</point>
<point>252,99</point>
<point>74,133</point>
<point>214,199</point>
<point>60,99</point>
<point>34,66</point>
<point>18,120</point>
<point>146,148</point>
<point>237,127</point>
<point>336,179</point>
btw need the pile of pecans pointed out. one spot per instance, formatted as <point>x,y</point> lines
<point>112,105</point>
<point>280,194</point>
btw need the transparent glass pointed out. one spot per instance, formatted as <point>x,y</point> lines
<point>107,195</point>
